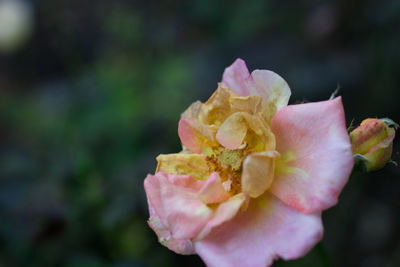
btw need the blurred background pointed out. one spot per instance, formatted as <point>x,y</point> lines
<point>91,92</point>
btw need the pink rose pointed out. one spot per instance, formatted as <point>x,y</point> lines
<point>254,174</point>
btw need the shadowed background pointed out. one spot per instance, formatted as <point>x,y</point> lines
<point>91,92</point>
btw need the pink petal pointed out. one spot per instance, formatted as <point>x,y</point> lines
<point>179,210</point>
<point>235,77</point>
<point>225,212</point>
<point>266,230</point>
<point>180,246</point>
<point>195,135</point>
<point>316,156</point>
<point>274,90</point>
<point>270,86</point>
<point>212,190</point>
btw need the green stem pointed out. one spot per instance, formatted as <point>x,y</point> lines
<point>323,255</point>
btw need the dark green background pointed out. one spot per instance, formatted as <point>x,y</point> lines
<point>95,95</point>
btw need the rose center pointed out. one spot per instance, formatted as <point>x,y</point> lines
<point>228,164</point>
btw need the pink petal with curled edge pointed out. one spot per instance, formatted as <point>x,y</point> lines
<point>212,190</point>
<point>181,246</point>
<point>235,77</point>
<point>179,210</point>
<point>316,155</point>
<point>225,211</point>
<point>195,135</point>
<point>266,230</point>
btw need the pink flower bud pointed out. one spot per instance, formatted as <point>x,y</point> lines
<point>373,139</point>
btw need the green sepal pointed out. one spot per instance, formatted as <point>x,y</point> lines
<point>390,123</point>
<point>351,127</point>
<point>360,162</point>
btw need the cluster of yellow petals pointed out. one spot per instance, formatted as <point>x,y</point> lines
<point>230,129</point>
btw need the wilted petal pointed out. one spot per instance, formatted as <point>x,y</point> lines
<point>195,135</point>
<point>250,104</point>
<point>180,210</point>
<point>233,131</point>
<point>212,190</point>
<point>258,172</point>
<point>218,107</point>
<point>266,230</point>
<point>316,156</point>
<point>194,165</point>
<point>192,112</point>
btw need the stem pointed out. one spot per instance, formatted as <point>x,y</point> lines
<point>323,255</point>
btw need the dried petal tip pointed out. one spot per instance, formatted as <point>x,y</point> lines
<point>373,140</point>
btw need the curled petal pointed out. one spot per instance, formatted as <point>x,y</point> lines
<point>316,156</point>
<point>195,135</point>
<point>266,230</point>
<point>212,190</point>
<point>225,212</point>
<point>233,131</point>
<point>258,172</point>
<point>180,246</point>
<point>180,210</point>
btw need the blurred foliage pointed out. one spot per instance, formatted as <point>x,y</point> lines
<point>95,95</point>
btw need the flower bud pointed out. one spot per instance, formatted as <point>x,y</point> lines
<point>373,139</point>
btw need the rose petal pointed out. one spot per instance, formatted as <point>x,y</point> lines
<point>179,210</point>
<point>274,90</point>
<point>180,246</point>
<point>225,211</point>
<point>195,135</point>
<point>194,165</point>
<point>235,77</point>
<point>266,230</point>
<point>316,156</point>
<point>233,131</point>
<point>258,172</point>
<point>212,190</point>
<point>192,112</point>
<point>270,86</point>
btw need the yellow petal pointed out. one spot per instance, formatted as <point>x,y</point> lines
<point>258,172</point>
<point>194,165</point>
<point>233,131</point>
<point>250,104</point>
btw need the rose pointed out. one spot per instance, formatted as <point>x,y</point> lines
<point>373,139</point>
<point>254,173</point>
